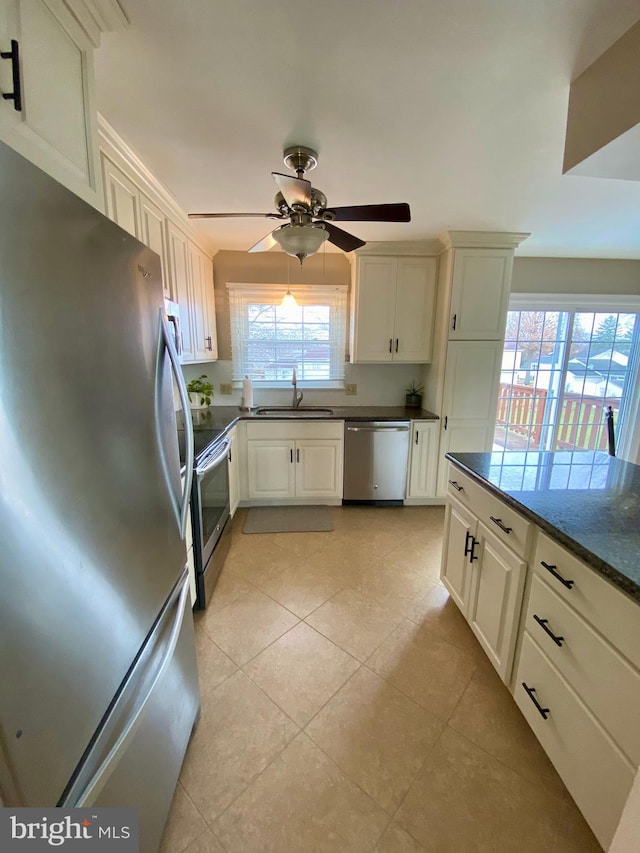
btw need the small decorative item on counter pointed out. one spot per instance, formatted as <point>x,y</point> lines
<point>247,395</point>
<point>200,392</point>
<point>413,399</point>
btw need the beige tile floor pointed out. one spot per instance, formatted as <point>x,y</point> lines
<point>346,706</point>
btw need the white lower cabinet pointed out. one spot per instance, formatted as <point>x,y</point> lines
<point>495,597</point>
<point>271,468</point>
<point>423,463</point>
<point>295,461</point>
<point>570,637</point>
<point>597,774</point>
<point>486,580</point>
<point>234,470</point>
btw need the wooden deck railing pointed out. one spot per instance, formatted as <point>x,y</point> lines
<point>582,422</point>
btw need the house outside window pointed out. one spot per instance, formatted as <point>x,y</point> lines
<point>269,339</point>
<point>565,362</point>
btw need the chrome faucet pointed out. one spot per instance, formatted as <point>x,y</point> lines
<point>297,395</point>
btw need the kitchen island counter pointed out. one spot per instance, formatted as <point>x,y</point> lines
<point>589,502</point>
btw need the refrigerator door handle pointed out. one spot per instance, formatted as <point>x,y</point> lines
<point>98,780</point>
<point>165,343</point>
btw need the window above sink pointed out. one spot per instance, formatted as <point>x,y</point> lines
<point>269,340</point>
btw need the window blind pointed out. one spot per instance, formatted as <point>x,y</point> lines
<point>268,339</point>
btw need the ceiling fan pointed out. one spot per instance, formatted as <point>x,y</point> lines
<point>310,219</point>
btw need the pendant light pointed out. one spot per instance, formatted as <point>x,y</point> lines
<point>289,300</point>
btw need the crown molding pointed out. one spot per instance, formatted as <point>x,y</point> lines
<point>97,17</point>
<point>418,248</point>
<point>117,150</point>
<point>481,240</point>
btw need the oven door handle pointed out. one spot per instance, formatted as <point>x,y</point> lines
<point>210,462</point>
<point>165,343</point>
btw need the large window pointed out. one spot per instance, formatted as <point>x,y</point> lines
<point>269,339</point>
<point>561,371</point>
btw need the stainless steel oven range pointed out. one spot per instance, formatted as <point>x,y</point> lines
<point>211,517</point>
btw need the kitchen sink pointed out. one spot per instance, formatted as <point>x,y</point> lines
<point>291,412</point>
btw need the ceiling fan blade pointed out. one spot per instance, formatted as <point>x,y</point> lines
<point>264,245</point>
<point>342,239</point>
<point>234,215</point>
<point>372,213</point>
<point>294,190</point>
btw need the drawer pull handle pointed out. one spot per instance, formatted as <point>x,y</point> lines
<point>456,486</point>
<point>557,575</point>
<point>543,623</point>
<point>544,712</point>
<point>502,526</point>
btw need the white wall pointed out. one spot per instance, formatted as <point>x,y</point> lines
<point>575,275</point>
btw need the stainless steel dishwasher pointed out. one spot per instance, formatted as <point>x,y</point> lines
<point>376,455</point>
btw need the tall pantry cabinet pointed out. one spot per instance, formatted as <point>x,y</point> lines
<point>461,383</point>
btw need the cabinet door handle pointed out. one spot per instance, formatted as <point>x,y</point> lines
<point>467,549</point>
<point>453,325</point>
<point>502,526</point>
<point>291,452</point>
<point>208,342</point>
<point>543,623</point>
<point>417,436</point>
<point>397,342</point>
<point>456,486</point>
<point>390,344</point>
<point>446,421</point>
<point>544,712</point>
<point>557,575</point>
<point>470,543</point>
<point>14,56</point>
<point>297,454</point>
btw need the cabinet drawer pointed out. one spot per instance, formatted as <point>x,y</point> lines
<point>605,681</point>
<point>507,524</point>
<point>462,488</point>
<point>292,429</point>
<point>609,610</point>
<point>592,767</point>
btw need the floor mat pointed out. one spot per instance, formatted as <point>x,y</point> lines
<point>288,519</point>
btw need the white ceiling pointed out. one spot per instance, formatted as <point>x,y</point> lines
<point>456,106</point>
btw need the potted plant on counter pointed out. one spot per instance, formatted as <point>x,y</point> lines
<point>413,399</point>
<point>200,392</point>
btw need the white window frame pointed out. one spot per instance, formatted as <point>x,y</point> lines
<point>628,439</point>
<point>304,294</point>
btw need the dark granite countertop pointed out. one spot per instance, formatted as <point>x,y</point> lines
<point>587,501</point>
<point>211,423</point>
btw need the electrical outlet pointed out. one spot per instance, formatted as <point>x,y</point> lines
<point>351,389</point>
<point>226,388</point>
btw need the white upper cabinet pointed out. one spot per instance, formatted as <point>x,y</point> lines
<point>203,312</point>
<point>121,198</point>
<point>55,127</point>
<point>154,235</point>
<point>178,254</point>
<point>480,293</point>
<point>187,272</point>
<point>392,309</point>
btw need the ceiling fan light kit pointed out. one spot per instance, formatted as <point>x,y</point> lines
<point>301,240</point>
<point>301,203</point>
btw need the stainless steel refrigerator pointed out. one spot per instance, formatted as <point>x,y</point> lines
<point>98,680</point>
